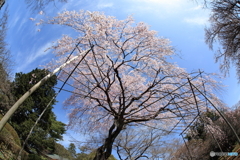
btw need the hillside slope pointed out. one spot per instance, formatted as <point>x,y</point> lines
<point>9,143</point>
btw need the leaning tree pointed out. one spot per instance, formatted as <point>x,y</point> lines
<point>126,79</point>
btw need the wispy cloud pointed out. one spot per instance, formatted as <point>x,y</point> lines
<point>165,2</point>
<point>104,5</point>
<point>14,21</point>
<point>162,9</point>
<point>35,55</point>
<point>197,20</point>
<point>40,52</point>
<point>199,7</point>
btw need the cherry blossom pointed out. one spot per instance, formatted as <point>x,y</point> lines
<point>126,77</point>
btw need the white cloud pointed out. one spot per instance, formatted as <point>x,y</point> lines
<point>40,52</point>
<point>196,8</point>
<point>162,9</point>
<point>104,5</point>
<point>165,2</point>
<point>197,20</point>
<point>14,21</point>
<point>36,54</point>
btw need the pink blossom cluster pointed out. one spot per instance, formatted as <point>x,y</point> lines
<point>126,75</point>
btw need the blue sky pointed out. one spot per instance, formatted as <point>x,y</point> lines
<point>181,21</point>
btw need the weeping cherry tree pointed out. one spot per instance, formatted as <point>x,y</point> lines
<point>126,79</point>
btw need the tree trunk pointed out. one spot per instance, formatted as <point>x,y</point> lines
<point>104,152</point>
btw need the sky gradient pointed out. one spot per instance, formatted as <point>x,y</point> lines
<point>180,21</point>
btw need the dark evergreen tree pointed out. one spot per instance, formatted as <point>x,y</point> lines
<point>48,129</point>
